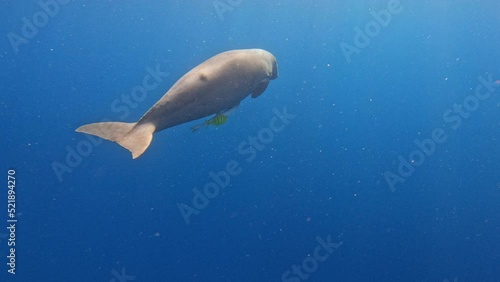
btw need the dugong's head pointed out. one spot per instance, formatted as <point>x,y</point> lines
<point>270,61</point>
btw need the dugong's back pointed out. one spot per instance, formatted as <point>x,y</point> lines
<point>215,85</point>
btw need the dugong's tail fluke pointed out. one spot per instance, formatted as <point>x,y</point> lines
<point>134,138</point>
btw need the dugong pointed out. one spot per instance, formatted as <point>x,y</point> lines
<point>216,85</point>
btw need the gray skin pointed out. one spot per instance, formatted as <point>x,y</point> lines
<point>212,87</point>
<point>215,85</point>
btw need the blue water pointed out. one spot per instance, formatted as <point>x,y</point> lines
<point>360,104</point>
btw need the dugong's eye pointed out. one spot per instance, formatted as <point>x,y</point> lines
<point>202,76</point>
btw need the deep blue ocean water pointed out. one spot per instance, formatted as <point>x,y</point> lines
<point>389,169</point>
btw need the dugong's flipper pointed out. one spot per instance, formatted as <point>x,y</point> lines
<point>135,138</point>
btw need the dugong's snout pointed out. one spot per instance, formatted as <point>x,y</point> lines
<point>274,74</point>
<point>271,62</point>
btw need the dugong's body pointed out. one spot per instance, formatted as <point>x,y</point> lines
<point>215,85</point>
